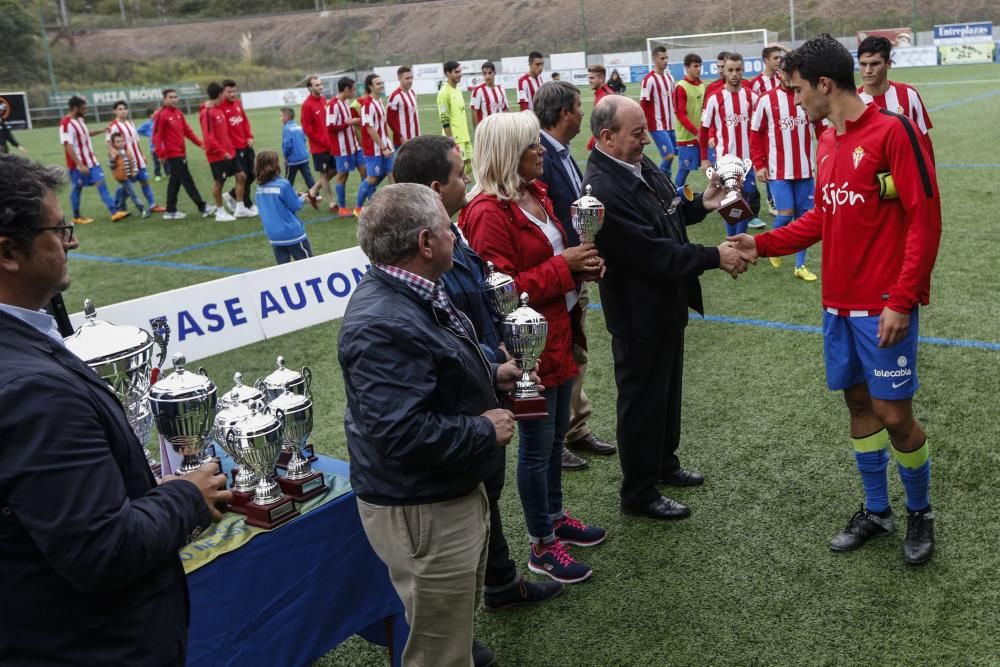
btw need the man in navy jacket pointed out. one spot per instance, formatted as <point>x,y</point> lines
<point>89,570</point>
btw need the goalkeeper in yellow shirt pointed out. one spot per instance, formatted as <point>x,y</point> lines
<point>451,108</point>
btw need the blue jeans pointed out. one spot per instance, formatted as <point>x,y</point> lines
<point>539,463</point>
<point>290,253</point>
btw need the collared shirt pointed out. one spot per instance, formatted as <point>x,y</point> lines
<point>429,291</point>
<point>566,158</point>
<point>634,168</point>
<point>37,319</point>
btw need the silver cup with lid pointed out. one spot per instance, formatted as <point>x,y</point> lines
<point>587,214</point>
<point>501,291</point>
<point>282,378</point>
<point>256,441</point>
<point>300,481</point>
<point>184,407</point>
<point>524,334</point>
<point>245,478</point>
<point>242,394</point>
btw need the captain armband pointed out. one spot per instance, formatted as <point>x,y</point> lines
<point>886,186</point>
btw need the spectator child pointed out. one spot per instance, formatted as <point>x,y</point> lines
<point>146,130</point>
<point>126,172</point>
<point>278,203</point>
<point>293,146</point>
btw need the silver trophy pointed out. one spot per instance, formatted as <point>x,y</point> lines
<point>524,334</point>
<point>242,394</point>
<point>122,356</point>
<point>300,482</point>
<point>245,478</point>
<point>275,384</point>
<point>256,441</point>
<point>501,291</point>
<point>183,406</point>
<point>587,214</point>
<point>732,172</point>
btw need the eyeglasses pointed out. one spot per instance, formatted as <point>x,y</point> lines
<point>65,231</point>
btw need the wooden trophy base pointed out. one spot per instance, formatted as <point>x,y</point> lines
<point>283,458</point>
<point>270,516</point>
<point>240,500</point>
<point>734,208</point>
<point>305,488</point>
<point>525,409</point>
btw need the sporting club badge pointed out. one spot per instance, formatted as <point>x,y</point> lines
<point>859,153</point>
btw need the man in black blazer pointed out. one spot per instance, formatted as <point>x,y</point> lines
<point>89,570</point>
<point>651,281</point>
<point>557,105</point>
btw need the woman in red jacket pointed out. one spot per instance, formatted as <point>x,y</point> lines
<point>509,221</point>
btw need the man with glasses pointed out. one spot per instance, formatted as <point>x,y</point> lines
<point>88,538</point>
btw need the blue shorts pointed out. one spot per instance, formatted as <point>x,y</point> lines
<point>750,182</point>
<point>379,166</point>
<point>795,195</point>
<point>665,142</point>
<point>345,164</point>
<point>689,157</point>
<point>711,155</point>
<point>142,176</point>
<point>852,355</point>
<point>78,180</point>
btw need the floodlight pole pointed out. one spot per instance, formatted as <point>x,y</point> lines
<point>791,20</point>
<point>583,26</point>
<point>48,53</point>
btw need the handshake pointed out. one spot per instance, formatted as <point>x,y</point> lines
<point>737,253</point>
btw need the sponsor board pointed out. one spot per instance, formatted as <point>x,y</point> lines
<point>133,95</point>
<point>566,62</point>
<point>963,33</point>
<point>964,54</point>
<point>14,109</point>
<point>899,37</point>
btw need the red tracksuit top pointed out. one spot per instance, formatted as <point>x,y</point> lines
<point>215,130</point>
<point>876,252</point>
<point>239,125</point>
<point>312,118</point>
<point>170,129</point>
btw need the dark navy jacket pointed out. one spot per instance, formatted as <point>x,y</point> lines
<point>464,284</point>
<point>561,190</point>
<point>416,392</point>
<point>89,571</point>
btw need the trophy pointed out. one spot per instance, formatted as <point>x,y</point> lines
<point>300,482</point>
<point>256,440</point>
<point>500,291</point>
<point>587,214</point>
<point>183,405</point>
<point>244,477</point>
<point>274,385</point>
<point>524,333</point>
<point>240,394</point>
<point>122,356</point>
<point>732,171</point>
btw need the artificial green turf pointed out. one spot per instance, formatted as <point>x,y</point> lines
<point>748,579</point>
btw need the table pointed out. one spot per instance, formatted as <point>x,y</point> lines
<point>290,596</point>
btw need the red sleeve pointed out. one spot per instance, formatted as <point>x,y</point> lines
<point>392,119</point>
<point>212,145</point>
<point>523,105</point>
<point>189,133</point>
<point>491,234</point>
<point>758,145</point>
<point>703,136</point>
<point>916,184</point>
<point>799,234</point>
<point>156,132</point>
<point>680,108</point>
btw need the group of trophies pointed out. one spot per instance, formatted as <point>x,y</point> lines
<point>263,428</point>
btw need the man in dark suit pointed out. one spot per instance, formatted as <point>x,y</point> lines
<point>651,281</point>
<point>89,570</point>
<point>557,105</point>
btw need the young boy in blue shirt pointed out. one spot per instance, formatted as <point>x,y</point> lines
<point>278,203</point>
<point>293,146</point>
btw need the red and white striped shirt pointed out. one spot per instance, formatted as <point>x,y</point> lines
<point>761,84</point>
<point>781,137</point>
<point>527,86</point>
<point>727,118</point>
<point>343,142</point>
<point>657,100</point>
<point>402,111</point>
<point>73,131</point>
<point>373,115</point>
<point>486,101</point>
<point>132,145</point>
<point>901,99</point>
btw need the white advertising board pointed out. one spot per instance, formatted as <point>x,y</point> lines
<point>514,65</point>
<point>427,71</point>
<point>561,62</point>
<point>265,99</point>
<point>622,60</point>
<point>916,56</point>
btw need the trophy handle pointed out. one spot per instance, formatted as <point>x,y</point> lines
<point>202,371</point>
<point>307,376</point>
<point>261,386</point>
<point>161,336</point>
<point>709,173</point>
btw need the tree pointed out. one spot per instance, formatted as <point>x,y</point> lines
<point>20,51</point>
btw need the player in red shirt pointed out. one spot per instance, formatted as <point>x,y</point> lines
<point>133,147</point>
<point>656,97</point>
<point>530,82</point>
<point>375,142</point>
<point>402,108</point>
<point>221,153</point>
<point>879,216</point>
<point>312,118</point>
<point>727,117</point>
<point>242,136</point>
<point>597,78</point>
<point>768,79</point>
<point>345,151</point>
<point>170,129</point>
<point>488,97</point>
<point>84,169</point>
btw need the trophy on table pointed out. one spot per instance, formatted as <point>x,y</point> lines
<point>122,356</point>
<point>274,385</point>
<point>183,405</point>
<point>244,477</point>
<point>300,481</point>
<point>732,172</point>
<point>240,394</point>
<point>587,214</point>
<point>256,441</point>
<point>524,333</point>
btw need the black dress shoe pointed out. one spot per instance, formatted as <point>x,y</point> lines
<point>683,477</point>
<point>482,656</point>
<point>661,508</point>
<point>523,593</point>
<point>591,443</point>
<point>571,461</point>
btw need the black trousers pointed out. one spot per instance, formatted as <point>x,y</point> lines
<point>649,375</point>
<point>179,175</point>
<point>303,169</point>
<point>246,158</point>
<point>500,569</point>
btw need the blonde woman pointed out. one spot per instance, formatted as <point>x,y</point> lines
<point>509,221</point>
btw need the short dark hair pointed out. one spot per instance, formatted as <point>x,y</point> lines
<point>488,65</point>
<point>658,50</point>
<point>551,98</point>
<point>423,160</point>
<point>735,57</point>
<point>877,46</point>
<point>213,90</point>
<point>821,56</point>
<point>691,59</point>
<point>288,111</point>
<point>228,83</point>
<point>370,81</point>
<point>451,66</point>
<point>768,50</point>
<point>403,69</point>
<point>115,135</point>
<point>25,184</point>
<point>120,103</point>
<point>167,91</point>
<point>722,55</point>
<point>345,82</point>
<point>76,102</point>
<point>535,55</point>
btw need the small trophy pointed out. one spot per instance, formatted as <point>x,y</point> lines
<point>587,214</point>
<point>274,385</point>
<point>300,482</point>
<point>732,171</point>
<point>524,333</point>
<point>256,440</point>
<point>244,477</point>
<point>501,291</point>
<point>183,405</point>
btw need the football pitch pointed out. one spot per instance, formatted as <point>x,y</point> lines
<point>749,579</point>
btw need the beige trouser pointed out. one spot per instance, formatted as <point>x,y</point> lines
<point>579,405</point>
<point>436,555</point>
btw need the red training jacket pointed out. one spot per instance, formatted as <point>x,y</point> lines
<point>239,125</point>
<point>312,118</point>
<point>215,130</point>
<point>169,130</point>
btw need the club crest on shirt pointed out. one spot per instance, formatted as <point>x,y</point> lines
<point>899,109</point>
<point>859,153</point>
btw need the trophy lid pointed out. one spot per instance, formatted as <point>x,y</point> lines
<point>241,393</point>
<point>181,385</point>
<point>497,279</point>
<point>98,342</point>
<point>257,423</point>
<point>290,402</point>
<point>231,414</point>
<point>524,314</point>
<point>283,377</point>
<point>587,202</point>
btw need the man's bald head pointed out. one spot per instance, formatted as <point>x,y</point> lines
<point>619,124</point>
<point>605,114</point>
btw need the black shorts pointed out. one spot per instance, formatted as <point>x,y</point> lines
<point>321,162</point>
<point>223,169</point>
<point>246,157</point>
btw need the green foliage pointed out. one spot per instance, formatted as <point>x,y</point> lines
<point>20,50</point>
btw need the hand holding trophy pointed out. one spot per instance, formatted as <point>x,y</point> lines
<point>732,172</point>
